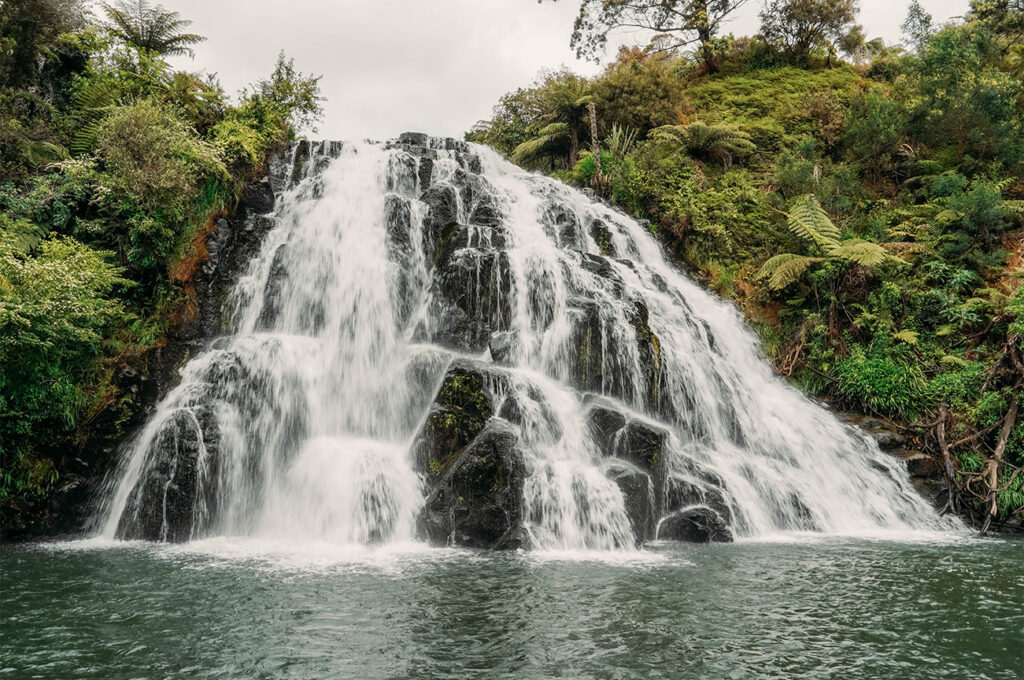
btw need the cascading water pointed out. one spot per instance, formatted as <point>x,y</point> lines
<point>426,322</point>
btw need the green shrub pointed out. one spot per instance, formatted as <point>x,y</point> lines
<point>882,384</point>
<point>55,305</point>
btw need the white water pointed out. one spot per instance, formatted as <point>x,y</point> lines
<point>299,425</point>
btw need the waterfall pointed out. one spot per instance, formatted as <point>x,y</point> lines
<point>617,400</point>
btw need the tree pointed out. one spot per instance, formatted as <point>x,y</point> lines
<point>55,304</point>
<point>293,95</point>
<point>28,33</point>
<point>918,25</point>
<point>561,102</point>
<point>962,101</point>
<point>1005,17</point>
<point>800,26</point>
<point>638,89</point>
<point>705,142</point>
<point>151,28</point>
<point>681,22</point>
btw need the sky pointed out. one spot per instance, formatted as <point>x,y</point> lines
<point>435,66</point>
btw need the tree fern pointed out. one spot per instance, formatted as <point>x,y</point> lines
<point>151,27</point>
<point>532,148</point>
<point>704,141</point>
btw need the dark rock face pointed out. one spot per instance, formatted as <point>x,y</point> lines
<point>472,465</point>
<point>477,500</point>
<point>638,495</point>
<point>170,490</point>
<point>695,525</point>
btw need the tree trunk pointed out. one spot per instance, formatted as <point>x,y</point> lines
<point>997,459</point>
<point>598,177</point>
<point>574,147</point>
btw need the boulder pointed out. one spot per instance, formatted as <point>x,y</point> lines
<point>477,499</point>
<point>502,345</point>
<point>638,497</point>
<point>701,489</point>
<point>414,138</point>
<point>920,464</point>
<point>461,408</point>
<point>695,525</point>
<point>170,496</point>
<point>443,206</point>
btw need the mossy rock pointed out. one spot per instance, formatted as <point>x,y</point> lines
<point>477,501</point>
<point>603,237</point>
<point>461,408</point>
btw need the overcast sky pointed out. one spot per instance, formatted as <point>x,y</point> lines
<point>436,66</point>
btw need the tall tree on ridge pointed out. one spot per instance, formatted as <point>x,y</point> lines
<point>676,22</point>
<point>800,26</point>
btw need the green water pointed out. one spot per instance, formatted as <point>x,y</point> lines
<point>838,608</point>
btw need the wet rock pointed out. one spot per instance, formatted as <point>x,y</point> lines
<point>461,408</point>
<point>443,206</point>
<point>633,440</point>
<point>170,495</point>
<point>605,422</point>
<point>638,497</point>
<point>600,266</point>
<point>920,464</point>
<point>502,345</point>
<point>414,138</point>
<point>471,299</point>
<point>703,489</point>
<point>603,237</point>
<point>888,440</point>
<point>695,525</point>
<point>477,501</point>
<point>402,176</point>
<point>425,172</point>
<point>485,212</point>
<point>649,349</point>
<point>588,342</point>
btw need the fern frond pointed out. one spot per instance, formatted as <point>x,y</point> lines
<point>809,221</point>
<point>864,253</point>
<point>91,103</point>
<point>907,336</point>
<point>785,268</point>
<point>533,147</point>
<point>905,247</point>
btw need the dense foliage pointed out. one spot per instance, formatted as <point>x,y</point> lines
<point>865,215</point>
<point>112,167</point>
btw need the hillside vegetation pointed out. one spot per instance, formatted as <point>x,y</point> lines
<point>113,167</point>
<point>865,215</point>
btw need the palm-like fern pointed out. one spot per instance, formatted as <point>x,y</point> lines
<point>151,27</point>
<point>808,221</point>
<point>705,142</point>
<point>531,149</point>
<point>91,103</point>
<point>562,103</point>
